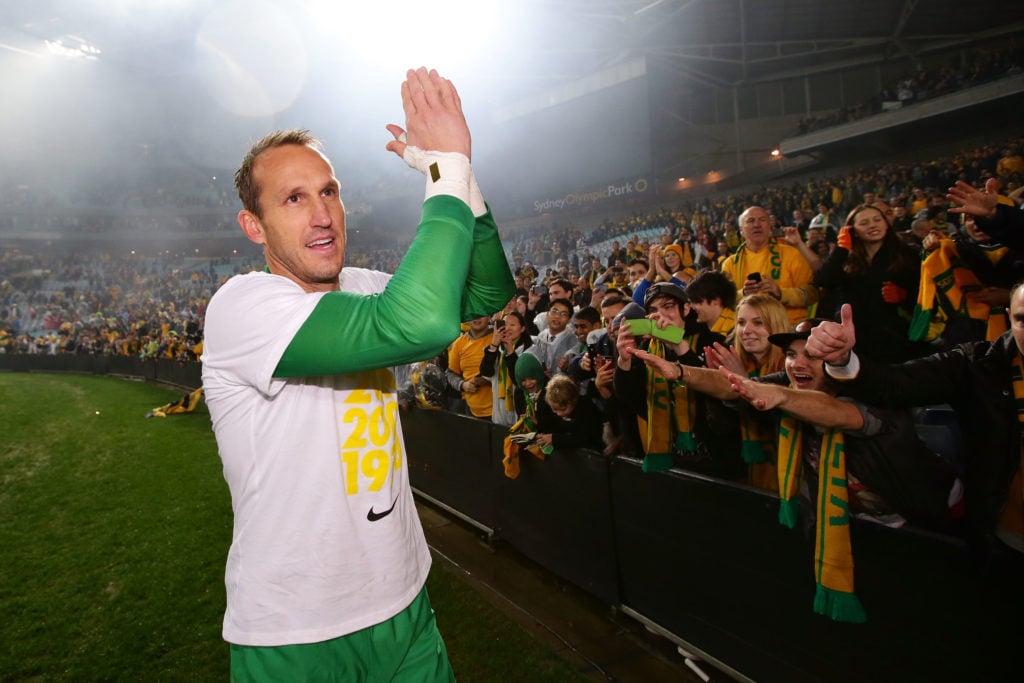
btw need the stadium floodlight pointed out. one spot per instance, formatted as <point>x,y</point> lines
<point>72,47</point>
<point>446,34</point>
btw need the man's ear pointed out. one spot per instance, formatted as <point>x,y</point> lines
<point>251,226</point>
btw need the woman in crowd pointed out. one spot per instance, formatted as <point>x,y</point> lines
<point>666,265</point>
<point>875,272</point>
<point>758,316</point>
<point>508,342</point>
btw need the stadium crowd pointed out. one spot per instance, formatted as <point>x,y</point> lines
<point>963,71</point>
<point>644,334</point>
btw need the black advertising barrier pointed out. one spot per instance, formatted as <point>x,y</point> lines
<point>705,560</point>
<point>177,373</point>
<point>558,512</point>
<point>124,365</point>
<point>709,562</point>
<point>451,459</point>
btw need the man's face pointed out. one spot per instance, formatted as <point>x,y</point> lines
<point>558,318</point>
<point>1017,317</point>
<point>608,314</point>
<point>707,311</point>
<point>582,328</point>
<point>478,326</point>
<point>756,227</point>
<point>668,309</point>
<point>637,271</point>
<point>303,226</point>
<point>975,233</point>
<point>804,372</point>
<point>558,292</point>
<point>899,211</point>
<point>869,198</point>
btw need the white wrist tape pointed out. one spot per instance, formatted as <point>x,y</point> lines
<point>447,173</point>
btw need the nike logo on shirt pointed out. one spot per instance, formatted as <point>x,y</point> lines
<point>372,516</point>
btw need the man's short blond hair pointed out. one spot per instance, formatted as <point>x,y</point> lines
<point>248,190</point>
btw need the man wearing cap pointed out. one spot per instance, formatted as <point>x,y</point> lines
<point>843,456</point>
<point>763,265</point>
<point>668,415</point>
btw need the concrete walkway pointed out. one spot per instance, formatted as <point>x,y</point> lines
<point>602,643</point>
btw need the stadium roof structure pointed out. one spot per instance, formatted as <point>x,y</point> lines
<point>161,87</point>
<point>541,43</point>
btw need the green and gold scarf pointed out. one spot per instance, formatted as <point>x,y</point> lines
<point>671,412</point>
<point>833,554</point>
<point>757,432</point>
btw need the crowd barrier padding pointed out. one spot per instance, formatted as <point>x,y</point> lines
<point>558,512</point>
<point>177,373</point>
<point>451,459</point>
<point>705,560</point>
<point>709,561</point>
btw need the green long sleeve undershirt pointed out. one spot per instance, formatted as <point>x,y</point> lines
<point>489,284</point>
<point>417,314</point>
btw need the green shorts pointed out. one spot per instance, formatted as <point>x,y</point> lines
<point>406,647</point>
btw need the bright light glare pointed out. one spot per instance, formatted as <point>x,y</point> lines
<point>442,34</point>
<point>251,58</point>
<point>72,47</point>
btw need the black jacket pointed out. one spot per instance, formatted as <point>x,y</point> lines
<point>974,379</point>
<point>882,327</point>
<point>897,465</point>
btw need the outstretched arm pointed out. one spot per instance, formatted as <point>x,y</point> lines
<point>815,407</point>
<point>704,380</point>
<point>348,332</point>
<point>1002,222</point>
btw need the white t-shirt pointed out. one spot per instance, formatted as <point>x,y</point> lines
<point>326,536</point>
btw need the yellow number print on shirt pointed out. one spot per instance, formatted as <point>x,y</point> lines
<point>370,450</point>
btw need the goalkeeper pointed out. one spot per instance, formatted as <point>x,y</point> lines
<point>326,570</point>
